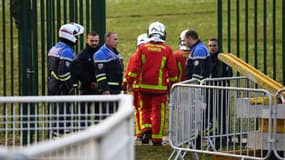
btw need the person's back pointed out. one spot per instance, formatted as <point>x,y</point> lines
<point>157,58</point>
<point>156,67</point>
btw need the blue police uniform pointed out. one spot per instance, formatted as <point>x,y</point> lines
<point>109,69</point>
<point>199,64</point>
<point>60,57</point>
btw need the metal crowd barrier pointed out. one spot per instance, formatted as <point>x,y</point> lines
<point>67,127</point>
<point>226,117</point>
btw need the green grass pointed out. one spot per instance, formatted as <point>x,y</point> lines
<point>129,18</point>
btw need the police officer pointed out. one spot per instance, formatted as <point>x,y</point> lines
<point>109,66</point>
<point>59,60</point>
<point>199,63</point>
<point>59,76</point>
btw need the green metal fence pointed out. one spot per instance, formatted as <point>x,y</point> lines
<point>254,30</point>
<point>29,28</point>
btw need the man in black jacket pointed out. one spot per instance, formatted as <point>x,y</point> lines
<point>220,69</point>
<point>83,70</point>
<point>222,112</point>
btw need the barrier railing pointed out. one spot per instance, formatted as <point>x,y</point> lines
<point>222,117</point>
<point>109,136</point>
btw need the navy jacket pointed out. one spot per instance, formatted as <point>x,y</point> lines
<point>199,64</point>
<point>109,69</point>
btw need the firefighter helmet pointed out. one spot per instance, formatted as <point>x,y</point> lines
<point>182,40</point>
<point>141,39</point>
<point>157,28</point>
<point>70,31</point>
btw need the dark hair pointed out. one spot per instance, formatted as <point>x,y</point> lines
<point>192,33</point>
<point>213,39</point>
<point>93,34</point>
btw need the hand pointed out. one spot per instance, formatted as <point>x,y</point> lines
<point>107,92</point>
<point>94,86</point>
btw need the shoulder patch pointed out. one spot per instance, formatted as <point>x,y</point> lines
<point>196,62</point>
<point>67,63</point>
<point>100,66</point>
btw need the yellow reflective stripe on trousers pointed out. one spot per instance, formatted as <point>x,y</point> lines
<point>162,119</point>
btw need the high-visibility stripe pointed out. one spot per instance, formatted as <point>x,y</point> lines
<point>173,78</point>
<point>155,45</point>
<point>140,112</point>
<point>143,58</point>
<point>131,74</point>
<point>54,75</point>
<point>148,86</point>
<point>180,71</point>
<point>136,85</point>
<point>101,79</point>
<point>162,64</point>
<point>66,78</point>
<point>146,126</point>
<point>113,83</point>
<point>100,75</point>
<point>162,119</point>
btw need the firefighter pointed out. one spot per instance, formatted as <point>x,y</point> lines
<point>156,67</point>
<point>141,39</point>
<point>60,82</point>
<point>181,56</point>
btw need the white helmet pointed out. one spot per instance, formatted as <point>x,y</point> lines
<point>142,39</point>
<point>69,31</point>
<point>158,29</point>
<point>182,40</point>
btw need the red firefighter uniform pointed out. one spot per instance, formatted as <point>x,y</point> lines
<point>135,93</point>
<point>181,57</point>
<point>154,64</point>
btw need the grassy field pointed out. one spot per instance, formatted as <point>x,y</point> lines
<point>132,17</point>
